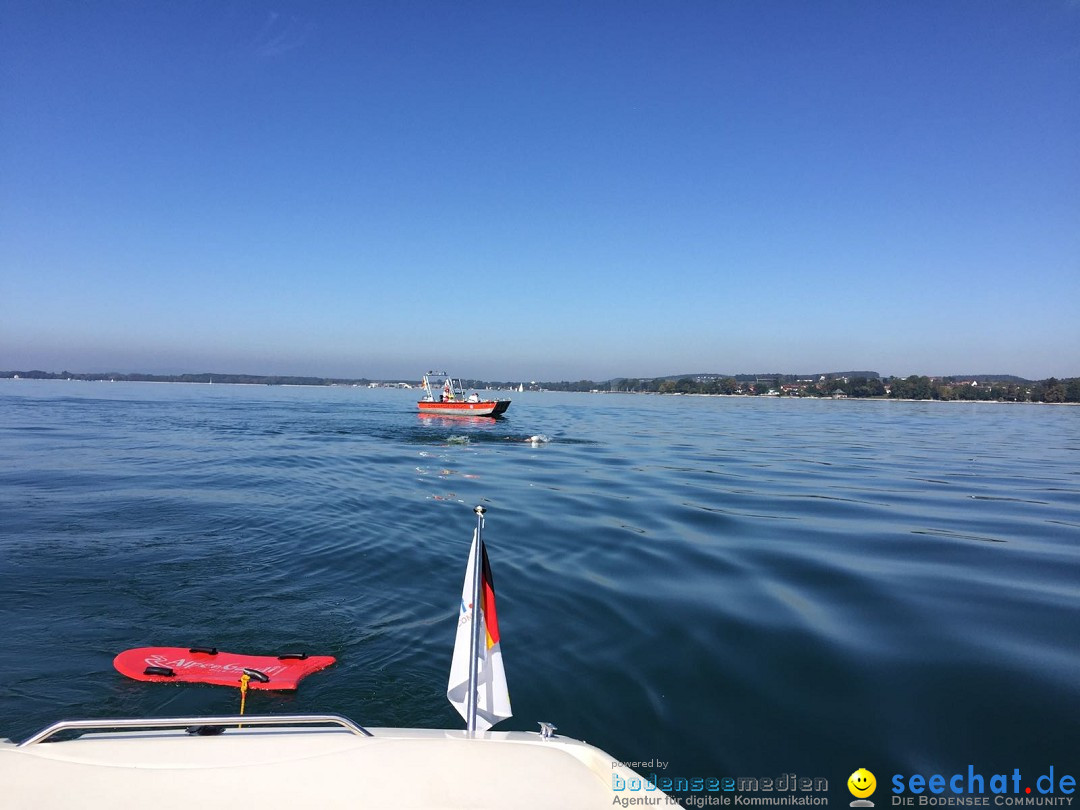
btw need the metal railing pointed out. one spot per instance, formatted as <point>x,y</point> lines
<point>197,722</point>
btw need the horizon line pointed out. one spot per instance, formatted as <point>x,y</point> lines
<point>10,374</point>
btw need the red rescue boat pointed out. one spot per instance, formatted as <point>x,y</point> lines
<point>451,400</point>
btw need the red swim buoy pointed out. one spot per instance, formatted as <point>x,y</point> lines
<point>210,665</point>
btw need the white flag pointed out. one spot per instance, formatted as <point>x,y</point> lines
<point>493,700</point>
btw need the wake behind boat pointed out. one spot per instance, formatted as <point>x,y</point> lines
<point>326,760</point>
<point>451,400</point>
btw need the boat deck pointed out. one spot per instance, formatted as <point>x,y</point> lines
<point>311,767</point>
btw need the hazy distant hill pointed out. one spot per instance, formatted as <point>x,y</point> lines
<point>772,375</point>
<point>257,379</point>
<point>237,379</point>
<point>870,375</point>
<point>989,378</point>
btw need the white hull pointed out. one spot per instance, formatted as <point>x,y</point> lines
<point>317,767</point>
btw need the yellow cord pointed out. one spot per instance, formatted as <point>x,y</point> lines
<point>243,691</point>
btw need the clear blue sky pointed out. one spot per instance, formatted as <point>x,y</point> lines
<point>540,190</point>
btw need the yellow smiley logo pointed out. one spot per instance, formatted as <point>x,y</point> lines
<point>861,783</point>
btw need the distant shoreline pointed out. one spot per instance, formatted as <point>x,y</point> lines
<point>18,377</point>
<point>832,399</point>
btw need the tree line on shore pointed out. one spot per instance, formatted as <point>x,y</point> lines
<point>912,387</point>
<point>860,385</point>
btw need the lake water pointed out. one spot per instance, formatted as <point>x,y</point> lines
<point>736,586</point>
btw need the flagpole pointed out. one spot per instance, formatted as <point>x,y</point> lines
<point>474,642</point>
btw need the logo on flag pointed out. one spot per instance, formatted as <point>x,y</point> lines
<point>492,697</point>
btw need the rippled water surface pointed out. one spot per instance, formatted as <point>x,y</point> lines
<point>737,586</point>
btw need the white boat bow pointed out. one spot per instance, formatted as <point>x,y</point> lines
<point>319,761</point>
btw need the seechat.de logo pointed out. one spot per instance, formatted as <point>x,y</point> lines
<point>862,785</point>
<point>974,789</point>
